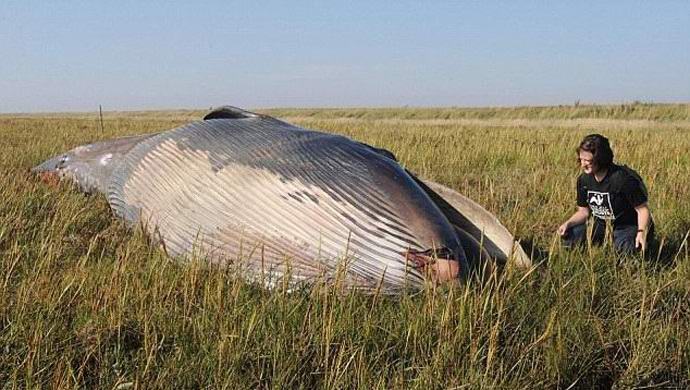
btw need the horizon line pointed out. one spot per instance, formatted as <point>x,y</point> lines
<point>575,104</point>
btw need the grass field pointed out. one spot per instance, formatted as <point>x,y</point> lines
<point>85,302</point>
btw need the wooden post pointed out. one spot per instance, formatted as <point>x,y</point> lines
<point>100,115</point>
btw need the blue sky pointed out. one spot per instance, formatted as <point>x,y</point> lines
<point>72,56</point>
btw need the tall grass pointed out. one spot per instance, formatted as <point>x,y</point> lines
<point>85,302</point>
<point>629,111</point>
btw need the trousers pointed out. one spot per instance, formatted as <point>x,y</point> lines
<point>623,236</point>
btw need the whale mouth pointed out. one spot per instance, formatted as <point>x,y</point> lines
<point>52,179</point>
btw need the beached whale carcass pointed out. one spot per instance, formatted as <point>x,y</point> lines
<point>275,199</point>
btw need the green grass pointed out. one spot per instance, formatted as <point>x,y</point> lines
<point>85,302</point>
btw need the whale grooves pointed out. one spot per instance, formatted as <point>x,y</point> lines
<point>283,203</point>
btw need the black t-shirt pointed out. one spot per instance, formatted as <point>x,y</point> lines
<point>615,197</point>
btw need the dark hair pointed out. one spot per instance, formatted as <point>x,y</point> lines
<point>599,146</point>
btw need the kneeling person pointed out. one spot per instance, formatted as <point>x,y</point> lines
<point>611,193</point>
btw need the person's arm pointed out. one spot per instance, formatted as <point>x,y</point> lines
<point>642,226</point>
<point>579,217</point>
<point>636,194</point>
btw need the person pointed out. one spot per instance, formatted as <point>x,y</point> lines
<point>611,193</point>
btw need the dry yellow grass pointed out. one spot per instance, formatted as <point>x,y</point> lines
<point>84,302</point>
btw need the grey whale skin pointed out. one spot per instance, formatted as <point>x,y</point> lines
<point>275,199</point>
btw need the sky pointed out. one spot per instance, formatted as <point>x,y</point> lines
<point>63,55</point>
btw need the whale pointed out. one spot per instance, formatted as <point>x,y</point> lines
<point>285,204</point>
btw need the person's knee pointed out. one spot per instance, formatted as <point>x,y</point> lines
<point>574,236</point>
<point>625,246</point>
<point>624,240</point>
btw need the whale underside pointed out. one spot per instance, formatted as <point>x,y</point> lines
<point>279,201</point>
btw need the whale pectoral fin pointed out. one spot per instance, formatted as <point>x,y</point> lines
<point>477,222</point>
<point>480,261</point>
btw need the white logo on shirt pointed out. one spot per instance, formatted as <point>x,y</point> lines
<point>600,204</point>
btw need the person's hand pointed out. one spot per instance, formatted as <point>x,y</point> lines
<point>641,241</point>
<point>563,228</point>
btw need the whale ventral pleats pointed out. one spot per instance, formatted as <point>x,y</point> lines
<point>241,188</point>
